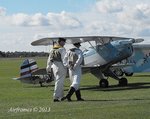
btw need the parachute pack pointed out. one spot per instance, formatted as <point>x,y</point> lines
<point>55,55</point>
<point>72,56</point>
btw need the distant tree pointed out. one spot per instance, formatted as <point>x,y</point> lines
<point>23,54</point>
<point>2,54</point>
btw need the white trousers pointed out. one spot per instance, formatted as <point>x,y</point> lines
<point>59,72</point>
<point>75,77</point>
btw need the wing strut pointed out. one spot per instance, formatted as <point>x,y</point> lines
<point>91,45</point>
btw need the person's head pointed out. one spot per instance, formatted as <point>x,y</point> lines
<point>77,44</point>
<point>61,41</point>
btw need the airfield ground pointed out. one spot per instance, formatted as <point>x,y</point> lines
<point>23,101</point>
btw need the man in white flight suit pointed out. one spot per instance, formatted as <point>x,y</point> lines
<point>73,60</point>
<point>55,63</point>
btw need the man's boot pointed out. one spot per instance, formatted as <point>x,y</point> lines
<point>78,95</point>
<point>70,93</point>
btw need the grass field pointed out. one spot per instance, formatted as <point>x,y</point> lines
<point>23,101</point>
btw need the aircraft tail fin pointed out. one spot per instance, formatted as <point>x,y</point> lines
<point>27,67</point>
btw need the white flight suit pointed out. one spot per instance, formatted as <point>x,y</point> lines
<point>59,71</point>
<point>75,72</point>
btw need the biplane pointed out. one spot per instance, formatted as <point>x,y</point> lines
<point>101,55</point>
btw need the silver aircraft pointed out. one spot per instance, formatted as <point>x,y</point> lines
<point>100,57</point>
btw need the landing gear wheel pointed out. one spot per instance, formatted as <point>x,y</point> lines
<point>103,83</point>
<point>128,74</point>
<point>123,82</point>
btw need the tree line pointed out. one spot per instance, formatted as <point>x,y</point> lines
<point>22,54</point>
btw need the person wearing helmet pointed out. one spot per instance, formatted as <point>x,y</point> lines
<point>74,60</point>
<point>55,64</point>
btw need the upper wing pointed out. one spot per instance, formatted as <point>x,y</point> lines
<point>71,40</point>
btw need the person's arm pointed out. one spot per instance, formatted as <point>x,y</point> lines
<point>63,53</point>
<point>79,60</point>
<point>48,68</point>
<point>64,56</point>
<point>65,60</point>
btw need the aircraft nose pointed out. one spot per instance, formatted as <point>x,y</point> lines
<point>125,42</point>
<point>138,40</point>
<point>131,41</point>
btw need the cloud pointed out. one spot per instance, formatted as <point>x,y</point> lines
<point>105,28</point>
<point>38,20</point>
<point>137,18</point>
<point>20,19</point>
<point>145,32</point>
<point>144,8</point>
<point>58,21</point>
<point>105,17</point>
<point>63,20</point>
<point>21,29</point>
<point>2,11</point>
<point>107,6</point>
<point>141,14</point>
<point>138,14</point>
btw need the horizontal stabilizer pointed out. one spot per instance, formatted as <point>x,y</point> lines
<point>16,78</point>
<point>39,72</point>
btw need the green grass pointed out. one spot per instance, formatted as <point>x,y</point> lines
<point>130,102</point>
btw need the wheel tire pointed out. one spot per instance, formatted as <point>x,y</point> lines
<point>103,83</point>
<point>123,82</point>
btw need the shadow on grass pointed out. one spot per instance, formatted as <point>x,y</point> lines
<point>116,100</point>
<point>146,75</point>
<point>110,100</point>
<point>131,86</point>
<point>38,86</point>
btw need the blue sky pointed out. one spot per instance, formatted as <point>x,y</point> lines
<point>23,21</point>
<point>44,6</point>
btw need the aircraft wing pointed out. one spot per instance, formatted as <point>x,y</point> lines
<point>71,40</point>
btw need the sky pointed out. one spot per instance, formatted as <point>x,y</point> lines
<point>23,21</point>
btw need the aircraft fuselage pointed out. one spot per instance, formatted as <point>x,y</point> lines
<point>108,54</point>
